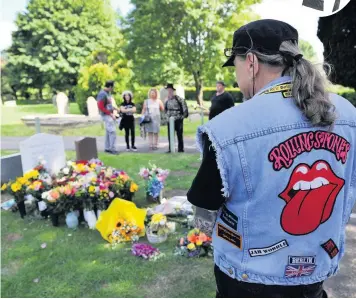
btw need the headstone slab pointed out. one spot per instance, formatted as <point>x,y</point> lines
<point>163,94</point>
<point>62,103</point>
<point>86,148</point>
<point>10,104</point>
<point>92,105</point>
<point>194,117</point>
<point>180,91</point>
<point>11,167</point>
<point>47,147</point>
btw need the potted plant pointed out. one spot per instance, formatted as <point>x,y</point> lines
<point>158,229</point>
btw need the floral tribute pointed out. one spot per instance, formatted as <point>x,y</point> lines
<point>195,244</point>
<point>158,225</point>
<point>146,251</point>
<point>125,231</point>
<point>155,178</point>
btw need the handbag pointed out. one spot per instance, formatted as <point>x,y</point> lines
<point>146,118</point>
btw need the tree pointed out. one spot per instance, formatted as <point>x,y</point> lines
<point>338,34</point>
<point>190,34</point>
<point>308,50</point>
<point>54,38</point>
<point>102,66</point>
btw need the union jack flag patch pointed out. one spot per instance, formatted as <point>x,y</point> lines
<point>299,270</point>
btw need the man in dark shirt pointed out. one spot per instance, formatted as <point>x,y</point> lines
<point>221,101</point>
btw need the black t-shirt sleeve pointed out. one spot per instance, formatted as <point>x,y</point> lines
<point>205,191</point>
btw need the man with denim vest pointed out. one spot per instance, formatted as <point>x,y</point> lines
<point>280,169</point>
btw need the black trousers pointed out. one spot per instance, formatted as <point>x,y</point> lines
<point>178,128</point>
<point>129,127</point>
<point>228,287</point>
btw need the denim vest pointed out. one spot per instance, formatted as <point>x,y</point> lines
<point>290,188</point>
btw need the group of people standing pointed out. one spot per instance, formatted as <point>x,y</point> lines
<point>123,116</point>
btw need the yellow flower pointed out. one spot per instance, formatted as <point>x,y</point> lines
<point>32,174</point>
<point>3,187</point>
<point>199,243</point>
<point>191,246</point>
<point>156,218</point>
<point>91,189</point>
<point>93,165</point>
<point>133,188</point>
<point>16,187</point>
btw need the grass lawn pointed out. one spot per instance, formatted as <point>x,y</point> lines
<point>83,265</point>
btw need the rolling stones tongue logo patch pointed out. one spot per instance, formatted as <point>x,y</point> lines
<point>310,197</point>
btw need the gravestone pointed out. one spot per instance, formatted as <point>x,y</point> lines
<point>194,117</point>
<point>163,94</point>
<point>47,147</point>
<point>11,167</point>
<point>10,104</point>
<point>86,148</point>
<point>180,91</point>
<point>92,105</point>
<point>62,103</point>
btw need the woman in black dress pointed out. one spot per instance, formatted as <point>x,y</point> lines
<point>128,109</point>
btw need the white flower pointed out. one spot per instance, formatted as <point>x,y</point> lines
<point>69,163</point>
<point>45,195</point>
<point>66,170</point>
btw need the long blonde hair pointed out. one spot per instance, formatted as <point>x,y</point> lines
<point>156,92</point>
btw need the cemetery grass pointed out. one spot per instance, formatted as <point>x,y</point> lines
<point>82,264</point>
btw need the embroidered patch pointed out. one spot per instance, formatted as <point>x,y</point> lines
<point>299,270</point>
<point>284,88</point>
<point>330,248</point>
<point>310,194</point>
<point>301,260</point>
<point>229,218</point>
<point>268,250</point>
<point>283,155</point>
<point>228,235</point>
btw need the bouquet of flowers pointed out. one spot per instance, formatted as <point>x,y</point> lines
<point>125,231</point>
<point>195,244</point>
<point>155,178</point>
<point>146,251</point>
<point>158,225</point>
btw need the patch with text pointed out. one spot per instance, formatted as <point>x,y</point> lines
<point>268,250</point>
<point>330,248</point>
<point>284,88</point>
<point>229,218</point>
<point>228,235</point>
<point>301,260</point>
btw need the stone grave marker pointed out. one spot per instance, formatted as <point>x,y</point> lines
<point>62,103</point>
<point>163,94</point>
<point>86,148</point>
<point>42,146</point>
<point>92,105</point>
<point>180,91</point>
<point>10,104</point>
<point>11,167</point>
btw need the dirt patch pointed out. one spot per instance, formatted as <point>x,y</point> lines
<point>11,269</point>
<point>180,173</point>
<point>13,237</point>
<point>175,192</point>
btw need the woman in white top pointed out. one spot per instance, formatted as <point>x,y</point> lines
<point>153,107</point>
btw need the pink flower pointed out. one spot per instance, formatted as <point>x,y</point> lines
<point>54,194</point>
<point>111,194</point>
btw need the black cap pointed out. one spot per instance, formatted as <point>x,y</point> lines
<point>265,36</point>
<point>170,85</point>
